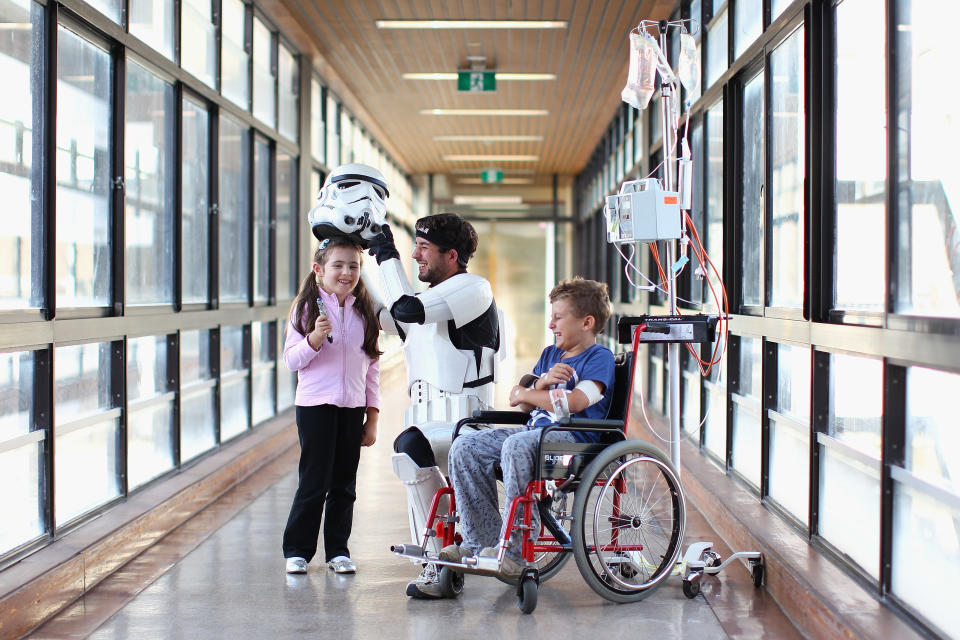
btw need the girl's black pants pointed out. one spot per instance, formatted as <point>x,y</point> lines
<point>329,455</point>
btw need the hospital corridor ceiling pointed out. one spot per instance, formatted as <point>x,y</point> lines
<point>532,126</point>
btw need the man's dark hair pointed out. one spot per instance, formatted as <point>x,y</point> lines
<point>449,231</point>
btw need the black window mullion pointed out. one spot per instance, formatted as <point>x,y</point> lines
<point>248,368</point>
<point>733,386</point>
<point>118,170</point>
<point>173,384</point>
<point>214,337</point>
<point>893,454</point>
<point>272,236</point>
<point>178,195</point>
<point>897,272</point>
<point>43,385</point>
<point>213,188</point>
<point>769,401</point>
<point>118,358</point>
<point>819,403</point>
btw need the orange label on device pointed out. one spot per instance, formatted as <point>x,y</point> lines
<point>669,199</point>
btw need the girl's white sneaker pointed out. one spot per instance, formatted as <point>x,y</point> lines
<point>296,565</point>
<point>342,564</point>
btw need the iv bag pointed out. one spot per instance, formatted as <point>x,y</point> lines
<point>643,68</point>
<point>688,66</point>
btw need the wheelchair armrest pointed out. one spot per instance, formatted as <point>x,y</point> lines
<point>586,424</point>
<point>501,417</point>
<point>491,417</point>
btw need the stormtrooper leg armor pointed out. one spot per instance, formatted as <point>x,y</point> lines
<point>421,484</point>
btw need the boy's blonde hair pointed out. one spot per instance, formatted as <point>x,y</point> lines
<point>586,298</point>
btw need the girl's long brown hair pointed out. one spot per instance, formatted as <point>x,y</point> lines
<point>304,311</point>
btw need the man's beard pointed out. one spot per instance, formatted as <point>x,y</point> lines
<point>430,276</point>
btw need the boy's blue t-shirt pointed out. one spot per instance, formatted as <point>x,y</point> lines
<point>596,363</point>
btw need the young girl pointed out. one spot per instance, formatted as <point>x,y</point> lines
<point>335,355</point>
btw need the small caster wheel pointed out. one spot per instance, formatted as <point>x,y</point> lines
<point>756,572</point>
<point>527,595</point>
<point>691,584</point>
<point>712,558</point>
<point>451,582</point>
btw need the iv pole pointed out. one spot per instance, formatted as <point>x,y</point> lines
<point>673,348</point>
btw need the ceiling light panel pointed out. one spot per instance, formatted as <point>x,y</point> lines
<point>484,112</point>
<point>471,24</point>
<point>490,158</point>
<point>488,200</point>
<point>500,138</point>
<point>500,76</point>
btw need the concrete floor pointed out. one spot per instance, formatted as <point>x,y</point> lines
<point>222,576</point>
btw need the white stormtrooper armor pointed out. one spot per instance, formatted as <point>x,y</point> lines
<point>452,363</point>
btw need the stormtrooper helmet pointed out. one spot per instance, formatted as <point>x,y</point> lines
<point>352,203</point>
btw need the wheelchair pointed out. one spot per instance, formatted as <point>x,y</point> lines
<point>616,505</point>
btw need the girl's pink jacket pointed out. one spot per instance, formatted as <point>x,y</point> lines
<point>340,373</point>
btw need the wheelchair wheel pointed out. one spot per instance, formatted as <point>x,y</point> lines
<point>629,521</point>
<point>451,582</point>
<point>547,563</point>
<point>527,595</point>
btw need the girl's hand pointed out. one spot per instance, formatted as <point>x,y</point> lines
<point>559,373</point>
<point>369,433</point>
<point>321,329</point>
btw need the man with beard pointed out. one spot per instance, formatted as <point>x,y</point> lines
<point>451,336</point>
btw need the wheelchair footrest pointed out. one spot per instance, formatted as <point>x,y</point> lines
<point>473,564</point>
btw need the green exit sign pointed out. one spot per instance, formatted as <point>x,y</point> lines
<point>491,176</point>
<point>476,81</point>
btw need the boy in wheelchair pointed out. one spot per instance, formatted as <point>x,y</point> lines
<point>574,377</point>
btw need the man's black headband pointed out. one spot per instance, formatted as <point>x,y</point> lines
<point>443,241</point>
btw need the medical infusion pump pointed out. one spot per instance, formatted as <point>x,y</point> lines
<point>642,212</point>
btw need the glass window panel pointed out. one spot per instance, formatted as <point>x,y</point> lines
<point>849,513</point>
<point>856,402</point>
<point>85,469</point>
<point>789,475</point>
<point>655,390</point>
<point>262,264</point>
<point>286,379</point>
<point>21,476</point>
<point>113,9</point>
<point>21,140</point>
<point>234,384</point>
<point>198,40</point>
<point>234,217</point>
<point>747,24</point>
<point>198,399</point>
<point>195,203</point>
<point>316,180</point>
<point>777,7</point>
<point>84,89</point>
<point>928,243</point>
<point>152,22</point>
<point>150,427</point>
<point>235,53</point>
<point>656,126</point>
<point>793,382</point>
<point>717,49</point>
<point>333,131</point>
<point>714,199</point>
<point>861,156</point>
<point>696,292</point>
<point>925,532</point>
<point>286,226</point>
<point>86,462</point>
<point>16,394</point>
<point>22,468</point>
<point>288,92</point>
<point>715,439</point>
<point>318,132</point>
<point>690,417</point>
<point>149,190</point>
<point>263,355</point>
<point>746,410</point>
<point>752,233</point>
<point>264,74</point>
<point>746,440</point>
<point>933,439</point>
<point>788,171</point>
<point>346,137</point>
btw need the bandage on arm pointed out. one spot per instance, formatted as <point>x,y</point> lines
<point>590,389</point>
<point>559,400</point>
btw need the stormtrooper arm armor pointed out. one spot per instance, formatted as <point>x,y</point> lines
<point>387,325</point>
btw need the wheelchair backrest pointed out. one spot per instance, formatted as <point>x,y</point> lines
<point>622,374</point>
